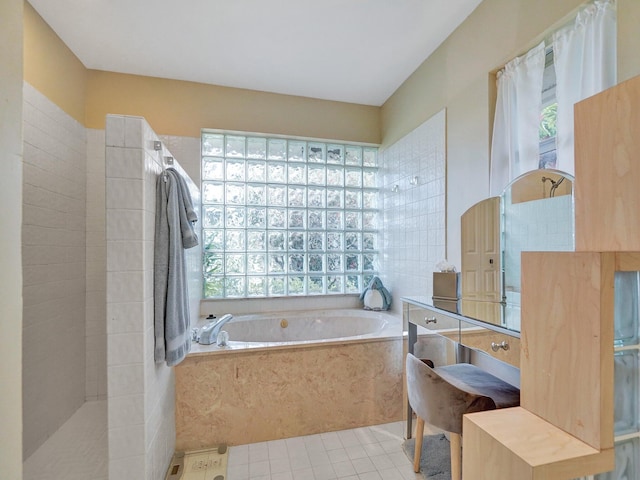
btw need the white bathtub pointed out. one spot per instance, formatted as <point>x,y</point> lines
<point>296,328</point>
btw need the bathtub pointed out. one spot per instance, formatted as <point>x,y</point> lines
<point>289,374</point>
<point>297,328</point>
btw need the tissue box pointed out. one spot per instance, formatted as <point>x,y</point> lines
<point>446,285</point>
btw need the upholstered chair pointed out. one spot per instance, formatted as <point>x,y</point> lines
<point>441,396</point>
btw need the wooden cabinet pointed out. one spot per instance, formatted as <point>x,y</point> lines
<point>513,443</point>
<point>607,142</point>
<point>564,427</point>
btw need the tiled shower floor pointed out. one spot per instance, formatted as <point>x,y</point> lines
<point>78,451</point>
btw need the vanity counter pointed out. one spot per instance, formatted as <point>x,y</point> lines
<point>491,347</point>
<point>426,303</point>
<point>494,340</point>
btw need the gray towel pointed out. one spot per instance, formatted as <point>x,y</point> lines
<point>175,217</point>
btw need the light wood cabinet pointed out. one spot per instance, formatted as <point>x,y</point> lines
<point>564,427</point>
<point>567,342</point>
<point>607,195</point>
<point>513,443</point>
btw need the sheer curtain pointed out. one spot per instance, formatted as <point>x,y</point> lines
<point>514,146</point>
<point>585,63</point>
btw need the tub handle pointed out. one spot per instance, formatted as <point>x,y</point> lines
<point>429,320</point>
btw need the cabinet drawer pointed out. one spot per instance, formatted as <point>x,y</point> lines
<point>498,345</point>
<point>432,320</point>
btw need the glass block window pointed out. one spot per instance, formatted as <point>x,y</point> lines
<point>287,216</point>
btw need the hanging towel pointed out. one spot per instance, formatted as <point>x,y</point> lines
<point>175,218</point>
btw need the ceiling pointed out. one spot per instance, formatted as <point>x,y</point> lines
<point>357,51</point>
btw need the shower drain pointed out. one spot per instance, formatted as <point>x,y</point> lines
<point>208,464</point>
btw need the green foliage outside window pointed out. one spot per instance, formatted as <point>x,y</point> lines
<point>548,121</point>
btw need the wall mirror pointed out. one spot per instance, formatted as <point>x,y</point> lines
<point>534,213</point>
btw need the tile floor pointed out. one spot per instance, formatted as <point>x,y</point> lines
<point>368,453</point>
<point>77,451</point>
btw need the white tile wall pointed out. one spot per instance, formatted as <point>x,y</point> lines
<point>277,304</point>
<point>54,268</point>
<point>141,393</point>
<point>414,217</point>
<point>96,298</point>
<point>544,224</point>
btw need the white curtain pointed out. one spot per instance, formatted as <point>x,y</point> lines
<point>514,146</point>
<point>585,63</point>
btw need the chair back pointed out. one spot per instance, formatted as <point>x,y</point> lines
<point>437,401</point>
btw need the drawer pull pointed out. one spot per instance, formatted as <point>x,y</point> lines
<point>497,346</point>
<point>429,320</point>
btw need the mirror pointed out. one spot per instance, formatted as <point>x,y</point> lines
<point>534,213</point>
<point>481,271</point>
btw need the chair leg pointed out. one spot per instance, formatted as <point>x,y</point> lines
<point>418,450</point>
<point>456,456</point>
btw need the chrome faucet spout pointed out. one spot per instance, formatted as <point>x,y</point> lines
<point>226,318</point>
<point>209,333</point>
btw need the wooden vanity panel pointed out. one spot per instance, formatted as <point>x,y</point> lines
<point>627,262</point>
<point>566,359</point>
<point>607,142</point>
<point>567,350</point>
<point>513,443</point>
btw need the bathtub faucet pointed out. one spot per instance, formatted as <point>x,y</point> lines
<point>209,333</point>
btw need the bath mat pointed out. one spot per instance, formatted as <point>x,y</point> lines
<point>199,464</point>
<point>435,460</point>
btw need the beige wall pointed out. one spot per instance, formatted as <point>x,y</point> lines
<point>51,67</point>
<point>628,39</point>
<point>458,76</point>
<point>182,108</point>
<point>10,248</point>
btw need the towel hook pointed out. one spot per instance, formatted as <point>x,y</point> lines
<point>168,162</point>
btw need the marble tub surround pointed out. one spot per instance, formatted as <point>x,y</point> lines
<point>254,396</point>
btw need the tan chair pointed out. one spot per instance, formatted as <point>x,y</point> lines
<point>441,396</point>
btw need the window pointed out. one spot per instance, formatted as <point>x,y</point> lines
<point>549,114</point>
<point>285,216</point>
<point>533,125</point>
